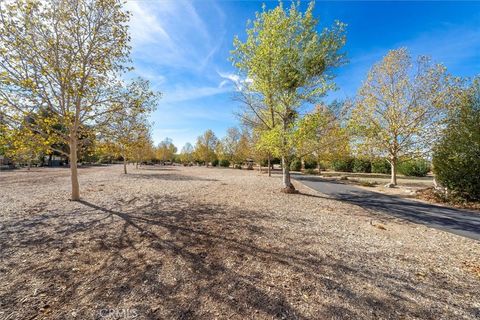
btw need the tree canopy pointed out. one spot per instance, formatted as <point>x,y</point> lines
<point>285,63</point>
<point>401,108</point>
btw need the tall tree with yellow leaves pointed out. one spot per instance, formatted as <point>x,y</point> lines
<point>64,56</point>
<point>286,63</point>
<point>401,108</point>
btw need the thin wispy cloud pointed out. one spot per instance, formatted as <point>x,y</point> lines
<point>182,93</point>
<point>172,33</point>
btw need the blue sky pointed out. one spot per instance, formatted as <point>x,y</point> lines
<point>183,46</point>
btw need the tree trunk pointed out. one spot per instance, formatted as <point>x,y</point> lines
<point>136,166</point>
<point>73,167</point>
<point>124,165</point>
<point>269,166</point>
<point>393,170</point>
<point>287,184</point>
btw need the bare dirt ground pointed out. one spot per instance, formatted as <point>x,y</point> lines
<point>198,243</point>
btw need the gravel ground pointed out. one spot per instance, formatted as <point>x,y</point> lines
<point>203,243</point>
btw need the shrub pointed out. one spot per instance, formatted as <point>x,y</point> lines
<point>381,166</point>
<point>414,168</point>
<point>343,165</point>
<point>296,165</point>
<point>456,160</point>
<point>264,162</point>
<point>224,163</point>
<point>310,171</point>
<point>310,164</point>
<point>324,165</point>
<point>215,163</point>
<point>362,165</point>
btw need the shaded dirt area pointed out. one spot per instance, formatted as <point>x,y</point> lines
<point>198,243</point>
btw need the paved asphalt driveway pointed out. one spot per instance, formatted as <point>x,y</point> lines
<point>462,222</point>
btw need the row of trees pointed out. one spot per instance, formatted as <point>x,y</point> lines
<point>235,148</point>
<point>400,112</point>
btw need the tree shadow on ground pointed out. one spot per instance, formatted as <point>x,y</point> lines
<point>168,258</point>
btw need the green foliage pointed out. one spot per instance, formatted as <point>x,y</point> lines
<point>289,63</point>
<point>310,164</point>
<point>166,150</point>
<point>362,165</point>
<point>456,158</point>
<point>380,166</point>
<point>296,165</point>
<point>186,155</point>
<point>215,162</point>
<point>224,163</point>
<point>275,160</point>
<point>310,171</point>
<point>414,168</point>
<point>235,146</point>
<point>400,108</point>
<point>206,146</point>
<point>343,165</point>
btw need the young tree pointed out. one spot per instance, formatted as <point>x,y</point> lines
<point>128,127</point>
<point>166,150</point>
<point>401,108</point>
<point>236,146</point>
<point>62,56</point>
<point>143,149</point>
<point>186,155</point>
<point>230,143</point>
<point>288,63</point>
<point>243,151</point>
<point>206,146</point>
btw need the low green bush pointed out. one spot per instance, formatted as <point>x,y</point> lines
<point>310,164</point>
<point>215,163</point>
<point>381,166</point>
<point>456,158</point>
<point>296,165</point>
<point>343,165</point>
<point>264,162</point>
<point>362,165</point>
<point>414,168</point>
<point>224,163</point>
<point>324,165</point>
